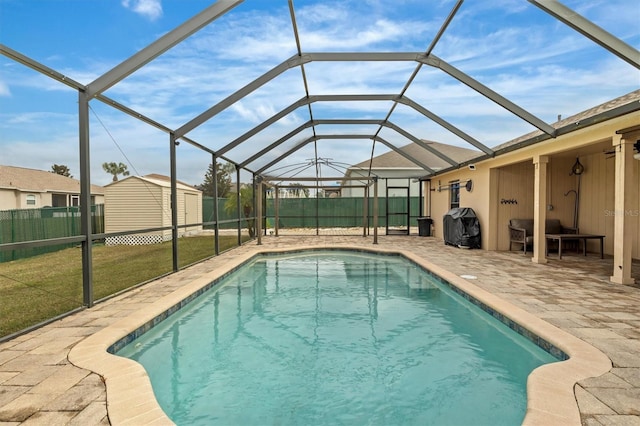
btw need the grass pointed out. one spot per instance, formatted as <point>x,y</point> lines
<point>35,289</point>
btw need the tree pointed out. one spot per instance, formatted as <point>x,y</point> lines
<point>115,170</point>
<point>61,169</point>
<point>222,176</point>
<point>246,205</point>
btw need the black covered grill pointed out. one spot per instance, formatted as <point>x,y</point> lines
<point>461,228</point>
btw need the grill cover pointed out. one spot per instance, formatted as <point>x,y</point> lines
<point>461,228</point>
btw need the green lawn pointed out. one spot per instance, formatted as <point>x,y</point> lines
<point>35,289</point>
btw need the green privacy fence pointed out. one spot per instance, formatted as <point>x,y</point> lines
<point>42,224</point>
<point>57,222</point>
<point>223,215</point>
<point>340,212</point>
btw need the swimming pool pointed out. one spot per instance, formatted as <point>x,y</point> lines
<point>336,338</point>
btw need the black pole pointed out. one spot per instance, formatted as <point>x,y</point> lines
<point>216,228</point>
<point>174,202</point>
<point>85,198</point>
<point>238,202</point>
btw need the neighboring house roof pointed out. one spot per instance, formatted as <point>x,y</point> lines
<point>393,160</point>
<point>158,180</point>
<point>32,180</point>
<point>591,113</point>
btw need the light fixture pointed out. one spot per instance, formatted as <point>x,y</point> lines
<point>577,168</point>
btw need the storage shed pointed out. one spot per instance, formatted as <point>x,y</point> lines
<point>142,202</point>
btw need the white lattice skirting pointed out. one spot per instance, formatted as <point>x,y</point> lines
<point>136,240</point>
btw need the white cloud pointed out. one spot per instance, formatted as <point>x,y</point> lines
<point>151,9</point>
<point>4,89</point>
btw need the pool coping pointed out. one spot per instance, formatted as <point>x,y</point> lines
<point>131,400</point>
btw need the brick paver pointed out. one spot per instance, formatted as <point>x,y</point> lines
<point>38,385</point>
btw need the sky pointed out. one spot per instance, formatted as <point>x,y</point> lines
<point>510,46</point>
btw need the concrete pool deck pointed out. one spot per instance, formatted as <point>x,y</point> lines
<point>39,385</point>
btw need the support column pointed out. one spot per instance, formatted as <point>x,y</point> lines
<point>174,202</point>
<point>365,209</point>
<point>494,208</point>
<point>375,210</point>
<point>623,212</point>
<point>216,215</point>
<point>85,199</point>
<point>317,210</point>
<point>277,209</point>
<point>239,206</point>
<point>539,208</point>
<point>258,210</point>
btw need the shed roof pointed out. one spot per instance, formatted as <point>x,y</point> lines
<point>157,180</point>
<point>32,180</point>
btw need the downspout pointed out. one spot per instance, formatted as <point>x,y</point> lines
<point>575,204</point>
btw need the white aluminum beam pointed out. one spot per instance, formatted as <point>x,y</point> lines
<point>312,123</point>
<point>236,96</point>
<point>158,47</point>
<point>392,126</point>
<point>420,143</point>
<point>275,144</point>
<point>436,62</point>
<point>288,110</point>
<point>590,30</point>
<point>340,137</point>
<point>37,66</point>
<point>342,98</point>
<point>450,127</point>
<point>365,57</point>
<point>294,61</point>
<point>287,153</point>
<point>313,179</point>
<point>444,26</point>
<point>293,107</point>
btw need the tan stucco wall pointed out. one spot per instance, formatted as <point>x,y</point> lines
<point>510,177</point>
<point>11,199</point>
<point>8,199</point>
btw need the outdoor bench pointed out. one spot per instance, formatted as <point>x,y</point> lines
<point>521,231</point>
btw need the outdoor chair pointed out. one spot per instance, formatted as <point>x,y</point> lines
<point>521,231</point>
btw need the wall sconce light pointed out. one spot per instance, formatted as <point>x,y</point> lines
<point>636,146</point>
<point>577,168</point>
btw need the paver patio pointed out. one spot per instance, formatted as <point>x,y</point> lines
<point>38,385</point>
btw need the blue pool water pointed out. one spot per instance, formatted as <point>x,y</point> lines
<point>336,338</point>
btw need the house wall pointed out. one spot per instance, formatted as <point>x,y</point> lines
<point>8,200</point>
<point>389,177</point>
<point>11,199</point>
<point>597,202</point>
<point>510,177</point>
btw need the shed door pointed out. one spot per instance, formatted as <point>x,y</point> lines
<point>190,211</point>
